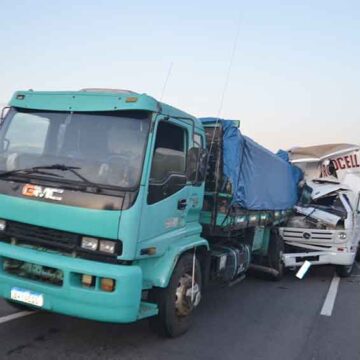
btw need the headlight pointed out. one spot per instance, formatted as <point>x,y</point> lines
<point>107,246</point>
<point>93,244</point>
<point>89,243</point>
<point>2,225</point>
<point>342,236</point>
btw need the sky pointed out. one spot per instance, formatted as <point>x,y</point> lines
<point>293,66</point>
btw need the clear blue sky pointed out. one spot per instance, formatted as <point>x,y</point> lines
<point>295,79</point>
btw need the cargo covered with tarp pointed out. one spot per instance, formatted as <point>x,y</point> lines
<point>256,178</point>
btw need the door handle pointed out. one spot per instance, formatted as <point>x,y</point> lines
<point>182,204</point>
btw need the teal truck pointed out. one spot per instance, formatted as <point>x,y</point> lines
<point>115,208</point>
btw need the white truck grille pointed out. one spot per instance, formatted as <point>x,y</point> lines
<point>296,234</point>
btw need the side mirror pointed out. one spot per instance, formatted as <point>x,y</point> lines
<point>196,165</point>
<point>3,114</point>
<point>5,145</point>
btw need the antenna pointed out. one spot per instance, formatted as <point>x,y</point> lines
<point>227,79</point>
<point>166,81</point>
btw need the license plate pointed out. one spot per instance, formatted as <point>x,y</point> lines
<point>27,296</point>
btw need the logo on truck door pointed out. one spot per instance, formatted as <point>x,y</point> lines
<point>42,192</point>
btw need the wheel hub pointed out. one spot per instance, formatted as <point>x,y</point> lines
<point>187,296</point>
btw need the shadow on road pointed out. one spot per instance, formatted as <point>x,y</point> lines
<point>255,319</point>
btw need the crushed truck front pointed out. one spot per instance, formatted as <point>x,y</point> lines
<point>325,228</point>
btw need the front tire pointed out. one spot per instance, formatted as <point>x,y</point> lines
<point>357,257</point>
<point>275,254</point>
<point>344,271</point>
<point>176,303</point>
<point>19,306</point>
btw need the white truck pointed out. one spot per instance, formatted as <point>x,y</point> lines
<point>325,227</point>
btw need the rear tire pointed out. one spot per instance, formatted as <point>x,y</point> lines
<point>174,302</point>
<point>344,271</point>
<point>276,250</point>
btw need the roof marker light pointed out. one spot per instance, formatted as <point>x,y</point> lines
<point>131,99</point>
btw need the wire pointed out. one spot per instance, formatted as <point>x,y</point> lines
<point>227,79</point>
<point>166,81</point>
<point>193,276</point>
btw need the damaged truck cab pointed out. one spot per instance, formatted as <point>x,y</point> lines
<point>325,228</point>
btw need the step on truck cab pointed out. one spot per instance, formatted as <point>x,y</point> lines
<point>101,193</point>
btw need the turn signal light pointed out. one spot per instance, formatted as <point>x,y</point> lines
<point>107,284</point>
<point>148,251</point>
<point>88,280</point>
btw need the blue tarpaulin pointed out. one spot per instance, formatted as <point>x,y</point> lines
<point>260,179</point>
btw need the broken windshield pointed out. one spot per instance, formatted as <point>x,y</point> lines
<point>107,148</point>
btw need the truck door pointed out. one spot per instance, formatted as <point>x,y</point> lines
<point>357,221</point>
<point>166,208</point>
<point>353,219</point>
<point>196,189</point>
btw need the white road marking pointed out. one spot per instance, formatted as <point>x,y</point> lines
<point>15,316</point>
<point>331,297</point>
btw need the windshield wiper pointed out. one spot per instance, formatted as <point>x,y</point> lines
<point>25,171</point>
<point>61,167</point>
<point>73,170</point>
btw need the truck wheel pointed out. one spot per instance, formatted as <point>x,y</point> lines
<point>19,306</point>
<point>174,302</point>
<point>344,271</point>
<point>276,250</point>
<point>357,257</point>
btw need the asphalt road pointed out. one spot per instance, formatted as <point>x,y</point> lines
<point>254,320</point>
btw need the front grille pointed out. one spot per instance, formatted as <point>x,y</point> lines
<point>296,235</point>
<point>46,238</point>
<point>33,272</point>
<point>49,238</point>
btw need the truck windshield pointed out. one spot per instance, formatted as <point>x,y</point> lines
<point>107,148</point>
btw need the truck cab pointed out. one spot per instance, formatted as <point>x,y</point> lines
<point>100,196</point>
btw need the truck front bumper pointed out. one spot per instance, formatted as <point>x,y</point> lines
<point>123,305</point>
<point>319,258</point>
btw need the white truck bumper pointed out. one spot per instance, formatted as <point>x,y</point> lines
<point>319,258</point>
<point>340,250</point>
